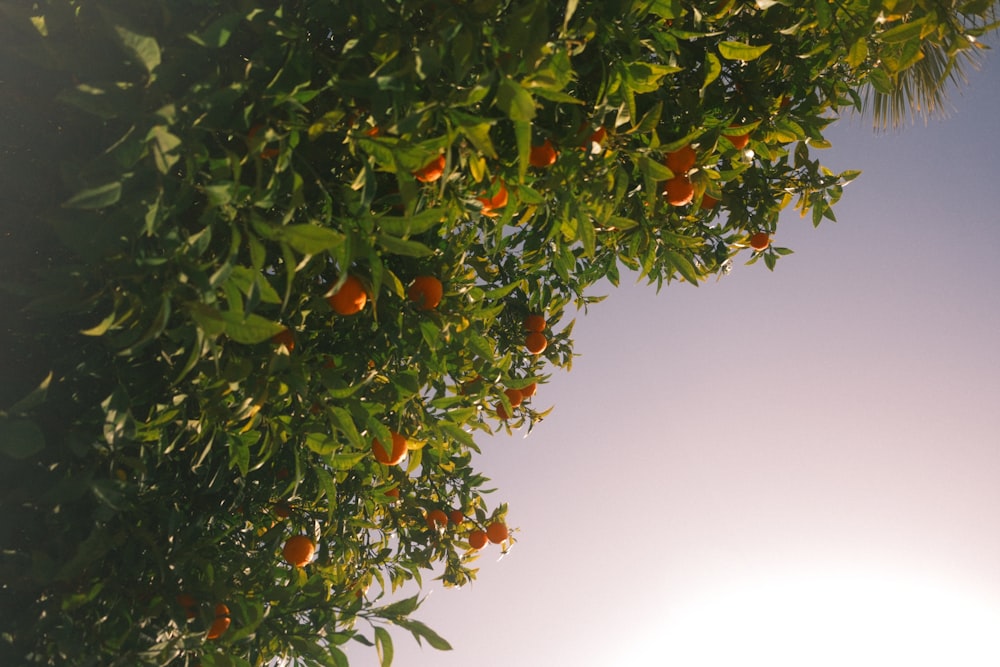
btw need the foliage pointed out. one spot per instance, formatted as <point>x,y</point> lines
<point>189,180</point>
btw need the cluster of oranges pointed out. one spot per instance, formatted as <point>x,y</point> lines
<point>352,296</point>
<point>679,190</point>
<point>495,532</point>
<point>219,625</point>
<point>535,340</point>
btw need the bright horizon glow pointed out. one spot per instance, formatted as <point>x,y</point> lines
<point>856,618</point>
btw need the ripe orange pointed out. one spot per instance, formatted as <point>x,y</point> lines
<point>298,550</point>
<point>350,298</point>
<point>760,241</point>
<point>681,160</point>
<point>502,411</point>
<point>514,396</point>
<point>534,323</point>
<point>542,156</point>
<point>529,390</point>
<point>390,458</point>
<point>496,532</point>
<point>478,539</point>
<point>219,626</point>
<point>679,191</point>
<point>708,202</point>
<point>282,510</point>
<point>186,600</point>
<point>426,292</point>
<point>221,622</point>
<point>739,141</point>
<point>456,517</point>
<point>490,204</point>
<point>535,342</point>
<point>594,142</point>
<point>436,518</point>
<point>431,171</point>
<point>393,493</point>
<point>284,337</point>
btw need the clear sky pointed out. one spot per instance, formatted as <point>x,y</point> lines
<point>790,468</point>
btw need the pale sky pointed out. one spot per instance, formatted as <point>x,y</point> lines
<point>790,468</point>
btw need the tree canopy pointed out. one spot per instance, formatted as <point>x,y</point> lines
<point>270,267</point>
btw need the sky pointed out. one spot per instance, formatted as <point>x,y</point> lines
<point>788,468</point>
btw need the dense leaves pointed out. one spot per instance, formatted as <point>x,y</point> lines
<point>192,184</point>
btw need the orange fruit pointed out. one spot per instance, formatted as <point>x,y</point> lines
<point>265,153</point>
<point>490,204</point>
<point>739,141</point>
<point>478,539</point>
<point>760,241</point>
<point>298,550</point>
<point>681,160</point>
<point>284,337</point>
<point>679,191</point>
<point>529,390</point>
<point>535,342</point>
<point>431,171</point>
<point>219,626</point>
<point>350,298</point>
<point>598,136</point>
<point>708,202</point>
<point>534,323</point>
<point>393,493</point>
<point>397,454</point>
<point>514,396</point>
<point>542,156</point>
<point>436,518</point>
<point>282,510</point>
<point>502,411</point>
<point>496,532</point>
<point>426,292</point>
<point>456,517</point>
<point>221,622</point>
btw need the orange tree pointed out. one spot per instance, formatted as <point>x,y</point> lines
<point>268,267</point>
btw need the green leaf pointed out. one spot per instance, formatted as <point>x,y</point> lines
<point>904,32</point>
<point>413,224</point>
<point>251,328</point>
<point>95,198</point>
<point>399,608</point>
<point>654,170</point>
<point>514,101</point>
<point>683,266</point>
<point>398,246</point>
<point>347,461</point>
<point>33,399</point>
<point>20,438</point>
<point>218,32</point>
<point>346,424</point>
<point>858,52</point>
<point>145,49</point>
<point>310,239</point>
<point>713,68</point>
<point>421,631</point>
<point>383,645</point>
<point>880,81</point>
<point>163,148</point>
<point>239,454</point>
<point>740,51</point>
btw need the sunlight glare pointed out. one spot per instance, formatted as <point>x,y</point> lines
<point>832,620</point>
